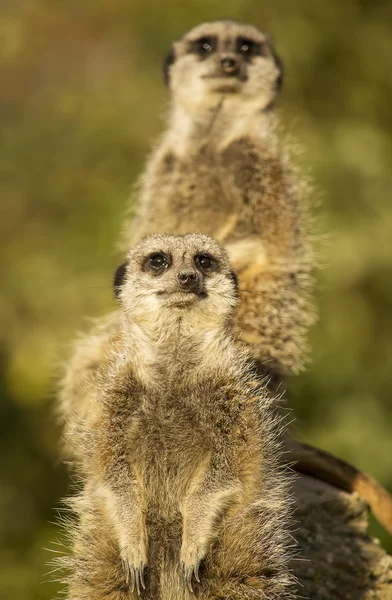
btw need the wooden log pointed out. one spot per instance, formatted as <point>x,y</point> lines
<point>337,559</point>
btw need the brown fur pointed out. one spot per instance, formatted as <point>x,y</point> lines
<point>179,449</point>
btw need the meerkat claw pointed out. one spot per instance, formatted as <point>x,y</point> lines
<point>127,571</point>
<point>142,580</point>
<point>196,572</point>
<point>134,576</point>
<point>188,573</point>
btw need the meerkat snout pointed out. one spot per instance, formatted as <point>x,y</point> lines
<point>190,280</point>
<point>229,64</point>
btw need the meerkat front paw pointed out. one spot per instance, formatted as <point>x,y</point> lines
<point>134,563</point>
<point>190,558</point>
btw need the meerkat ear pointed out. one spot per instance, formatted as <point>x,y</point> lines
<point>234,277</point>
<point>279,66</point>
<point>119,278</point>
<point>168,61</point>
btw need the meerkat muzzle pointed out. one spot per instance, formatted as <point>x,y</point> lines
<point>229,65</point>
<point>190,280</point>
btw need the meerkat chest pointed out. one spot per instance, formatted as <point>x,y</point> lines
<point>203,187</point>
<point>173,430</point>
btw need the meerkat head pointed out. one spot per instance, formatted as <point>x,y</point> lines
<point>223,59</point>
<point>167,275</point>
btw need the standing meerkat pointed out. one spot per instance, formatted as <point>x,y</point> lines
<point>220,169</point>
<point>184,494</point>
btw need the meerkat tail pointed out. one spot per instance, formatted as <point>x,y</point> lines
<point>323,465</point>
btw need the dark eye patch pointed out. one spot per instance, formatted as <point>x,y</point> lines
<point>204,46</point>
<point>250,48</point>
<point>157,262</point>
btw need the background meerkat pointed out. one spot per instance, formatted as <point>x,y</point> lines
<point>180,445</point>
<point>220,169</point>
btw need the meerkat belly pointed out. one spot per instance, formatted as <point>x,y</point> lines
<point>166,447</point>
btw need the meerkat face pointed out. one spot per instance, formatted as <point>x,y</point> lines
<point>223,59</point>
<point>176,273</point>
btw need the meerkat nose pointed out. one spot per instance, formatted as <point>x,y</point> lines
<point>229,64</point>
<point>189,280</point>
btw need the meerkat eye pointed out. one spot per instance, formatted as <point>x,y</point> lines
<point>204,46</point>
<point>205,261</point>
<point>157,261</point>
<point>248,47</point>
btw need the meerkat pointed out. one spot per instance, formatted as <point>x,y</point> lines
<point>221,170</point>
<point>184,493</point>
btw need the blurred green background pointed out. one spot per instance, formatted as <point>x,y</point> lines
<point>81,102</point>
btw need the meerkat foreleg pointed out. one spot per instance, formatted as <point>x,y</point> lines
<point>123,502</point>
<point>120,487</point>
<point>202,510</point>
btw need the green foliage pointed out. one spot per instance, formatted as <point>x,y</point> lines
<point>82,101</point>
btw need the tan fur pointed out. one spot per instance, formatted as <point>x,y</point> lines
<point>179,448</point>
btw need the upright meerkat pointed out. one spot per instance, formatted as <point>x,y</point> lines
<point>180,445</point>
<point>220,169</point>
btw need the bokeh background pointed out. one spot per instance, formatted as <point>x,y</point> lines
<point>81,103</point>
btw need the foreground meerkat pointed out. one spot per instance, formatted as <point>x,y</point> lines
<point>179,444</point>
<point>220,169</point>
